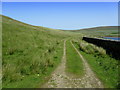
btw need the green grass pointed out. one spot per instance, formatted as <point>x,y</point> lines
<point>91,48</point>
<point>29,50</point>
<point>105,67</point>
<point>99,31</point>
<point>36,80</point>
<point>74,65</point>
<point>31,53</point>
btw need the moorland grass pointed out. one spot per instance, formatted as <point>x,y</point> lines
<point>99,31</point>
<point>37,79</point>
<point>74,64</point>
<point>105,67</point>
<point>28,51</point>
<point>31,53</point>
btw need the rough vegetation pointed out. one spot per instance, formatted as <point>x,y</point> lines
<point>31,53</point>
<point>105,67</point>
<point>29,50</point>
<point>111,31</point>
<point>91,49</point>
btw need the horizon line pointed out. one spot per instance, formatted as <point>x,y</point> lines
<point>59,29</point>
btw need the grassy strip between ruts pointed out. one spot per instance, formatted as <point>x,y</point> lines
<point>37,80</point>
<point>74,64</point>
<point>105,67</point>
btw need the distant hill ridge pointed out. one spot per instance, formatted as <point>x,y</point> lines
<point>98,28</point>
<point>99,31</point>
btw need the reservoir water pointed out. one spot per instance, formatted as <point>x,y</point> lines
<point>113,38</point>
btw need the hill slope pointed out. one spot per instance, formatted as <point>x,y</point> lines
<point>99,31</point>
<point>30,53</point>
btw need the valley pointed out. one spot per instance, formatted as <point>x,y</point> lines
<point>40,57</point>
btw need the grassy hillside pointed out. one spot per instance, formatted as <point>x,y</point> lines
<point>30,53</point>
<point>99,31</point>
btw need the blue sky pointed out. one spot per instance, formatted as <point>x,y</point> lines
<point>63,15</point>
<point>60,0</point>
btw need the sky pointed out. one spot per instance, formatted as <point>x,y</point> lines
<point>63,15</point>
<point>60,0</point>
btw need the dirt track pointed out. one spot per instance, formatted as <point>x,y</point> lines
<point>59,79</point>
